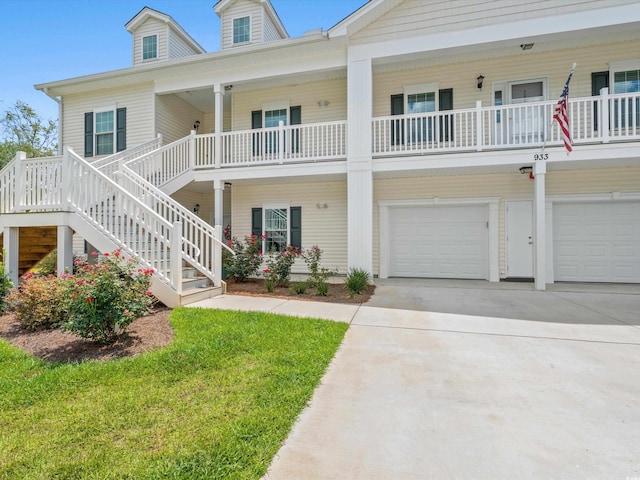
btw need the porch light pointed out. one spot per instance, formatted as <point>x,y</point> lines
<point>526,46</point>
<point>196,208</point>
<point>480,79</point>
<point>196,125</point>
<point>524,170</point>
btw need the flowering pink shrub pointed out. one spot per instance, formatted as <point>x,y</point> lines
<point>279,266</point>
<point>37,301</point>
<point>247,259</point>
<point>101,300</point>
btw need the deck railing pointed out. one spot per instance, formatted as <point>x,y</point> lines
<point>166,163</point>
<point>109,165</point>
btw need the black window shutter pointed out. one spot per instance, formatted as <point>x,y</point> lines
<point>397,126</point>
<point>256,222</point>
<point>88,134</point>
<point>256,122</point>
<point>295,118</point>
<point>445,102</point>
<point>295,229</point>
<point>121,129</point>
<point>598,80</point>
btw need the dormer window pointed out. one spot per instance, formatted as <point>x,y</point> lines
<point>241,30</point>
<point>149,47</point>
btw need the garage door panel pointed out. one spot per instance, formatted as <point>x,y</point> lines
<point>597,242</point>
<point>439,242</point>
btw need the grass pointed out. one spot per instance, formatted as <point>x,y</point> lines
<point>217,403</point>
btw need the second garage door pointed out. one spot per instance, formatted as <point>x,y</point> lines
<point>597,242</point>
<point>439,242</point>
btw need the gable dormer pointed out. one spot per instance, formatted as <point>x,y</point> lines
<point>248,22</point>
<point>157,37</point>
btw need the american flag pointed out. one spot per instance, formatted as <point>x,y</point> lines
<point>560,115</point>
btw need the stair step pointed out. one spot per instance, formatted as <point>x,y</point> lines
<point>194,283</point>
<point>198,294</point>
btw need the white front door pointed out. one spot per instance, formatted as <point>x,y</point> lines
<point>520,239</point>
<point>527,121</point>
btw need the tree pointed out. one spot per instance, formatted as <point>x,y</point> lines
<point>24,130</point>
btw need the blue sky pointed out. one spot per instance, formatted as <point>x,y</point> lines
<point>48,40</point>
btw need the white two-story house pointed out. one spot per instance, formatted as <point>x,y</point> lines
<point>415,138</point>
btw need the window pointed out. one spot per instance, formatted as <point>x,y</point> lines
<point>282,226</point>
<point>626,82</point>
<point>105,132</point>
<point>149,47</point>
<point>626,110</point>
<point>421,129</point>
<point>272,119</point>
<point>241,30</point>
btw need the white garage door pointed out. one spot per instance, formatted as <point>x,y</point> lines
<point>439,242</point>
<point>597,242</point>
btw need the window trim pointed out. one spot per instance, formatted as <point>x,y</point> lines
<point>275,206</point>
<point>233,30</point>
<point>96,111</point>
<point>433,87</point>
<point>617,67</point>
<point>155,52</point>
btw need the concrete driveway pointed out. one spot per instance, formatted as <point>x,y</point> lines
<point>411,394</point>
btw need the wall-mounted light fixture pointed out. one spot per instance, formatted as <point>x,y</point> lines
<point>196,208</point>
<point>526,46</point>
<point>480,79</point>
<point>323,103</point>
<point>227,184</point>
<point>196,125</point>
<point>527,169</point>
<point>227,88</point>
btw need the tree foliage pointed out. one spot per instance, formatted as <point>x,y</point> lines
<point>24,130</point>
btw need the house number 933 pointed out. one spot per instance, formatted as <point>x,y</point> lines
<point>540,156</point>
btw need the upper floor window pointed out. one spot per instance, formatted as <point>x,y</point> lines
<point>150,47</point>
<point>104,132</point>
<point>626,82</point>
<point>241,30</point>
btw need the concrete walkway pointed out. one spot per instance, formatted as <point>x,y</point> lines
<point>420,395</point>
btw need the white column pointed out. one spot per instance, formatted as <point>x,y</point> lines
<point>359,168</point>
<point>218,117</point>
<point>539,226</point>
<point>65,250</point>
<point>218,191</point>
<point>10,239</point>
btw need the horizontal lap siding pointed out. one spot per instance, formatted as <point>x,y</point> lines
<point>270,31</point>
<point>239,10</point>
<point>148,28</point>
<point>325,227</point>
<point>175,118</point>
<point>306,95</point>
<point>137,99</point>
<point>554,66</point>
<point>421,17</point>
<point>178,48</point>
<point>509,186</point>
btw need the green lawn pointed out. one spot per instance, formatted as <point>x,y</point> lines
<point>217,403</point>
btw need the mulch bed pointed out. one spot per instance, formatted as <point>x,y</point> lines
<point>147,333</point>
<point>337,293</point>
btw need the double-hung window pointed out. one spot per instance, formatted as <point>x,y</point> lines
<point>149,47</point>
<point>626,110</point>
<point>280,224</point>
<point>105,131</point>
<point>241,30</point>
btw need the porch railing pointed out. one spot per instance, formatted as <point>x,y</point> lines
<point>597,119</point>
<point>109,165</point>
<point>166,163</point>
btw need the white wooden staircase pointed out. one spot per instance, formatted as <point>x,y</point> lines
<point>112,207</point>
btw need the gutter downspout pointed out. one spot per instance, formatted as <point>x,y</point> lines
<point>60,112</point>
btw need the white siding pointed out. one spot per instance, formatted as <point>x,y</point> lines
<point>137,99</point>
<point>178,48</point>
<point>189,199</point>
<point>306,95</point>
<point>240,9</point>
<point>461,77</point>
<point>269,30</point>
<point>325,227</point>
<point>175,118</point>
<point>421,17</point>
<point>150,27</point>
<point>508,186</point>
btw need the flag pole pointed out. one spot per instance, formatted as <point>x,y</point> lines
<point>553,118</point>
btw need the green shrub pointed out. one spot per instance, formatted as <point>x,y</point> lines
<point>101,300</point>
<point>322,289</point>
<point>270,284</point>
<point>279,265</point>
<point>317,274</point>
<point>5,287</point>
<point>49,264</point>
<point>38,301</point>
<point>357,281</point>
<point>299,288</point>
<point>247,259</point>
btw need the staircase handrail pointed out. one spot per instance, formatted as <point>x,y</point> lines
<point>144,167</point>
<point>195,230</point>
<point>151,222</point>
<point>112,161</point>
